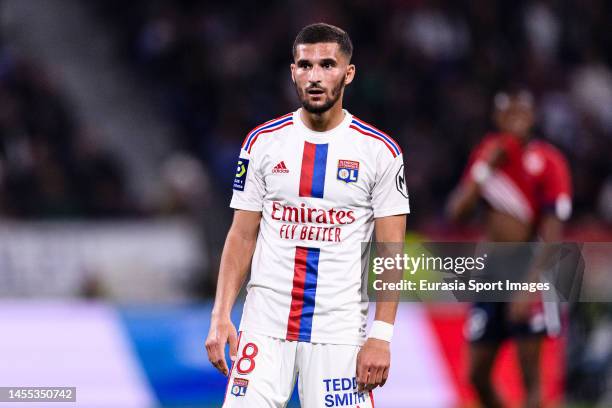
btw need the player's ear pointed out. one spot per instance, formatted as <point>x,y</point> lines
<point>350,74</point>
<point>292,66</point>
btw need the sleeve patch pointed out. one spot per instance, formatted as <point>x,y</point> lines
<point>241,174</point>
<point>400,182</point>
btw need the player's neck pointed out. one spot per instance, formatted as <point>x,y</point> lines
<point>322,122</point>
<point>524,138</point>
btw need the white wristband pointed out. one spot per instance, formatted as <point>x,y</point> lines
<point>481,171</point>
<point>381,330</point>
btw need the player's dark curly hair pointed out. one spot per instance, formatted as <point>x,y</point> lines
<point>324,33</point>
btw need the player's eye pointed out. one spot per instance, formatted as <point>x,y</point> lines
<point>304,65</point>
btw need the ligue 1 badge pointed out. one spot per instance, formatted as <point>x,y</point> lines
<point>239,388</point>
<point>241,172</point>
<point>348,171</point>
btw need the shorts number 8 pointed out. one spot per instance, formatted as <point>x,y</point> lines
<point>249,352</point>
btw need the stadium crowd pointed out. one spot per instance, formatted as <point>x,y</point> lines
<point>427,72</point>
<point>50,165</point>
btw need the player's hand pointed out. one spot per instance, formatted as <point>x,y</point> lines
<point>221,332</point>
<point>373,361</point>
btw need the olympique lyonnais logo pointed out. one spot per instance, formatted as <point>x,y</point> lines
<point>239,388</point>
<point>348,171</point>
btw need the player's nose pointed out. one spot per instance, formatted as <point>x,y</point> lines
<point>315,74</point>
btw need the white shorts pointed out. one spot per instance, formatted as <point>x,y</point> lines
<point>266,368</point>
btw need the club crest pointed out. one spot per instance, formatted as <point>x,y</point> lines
<point>348,171</point>
<point>239,388</point>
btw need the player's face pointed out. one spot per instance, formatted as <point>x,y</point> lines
<point>516,118</point>
<point>320,73</point>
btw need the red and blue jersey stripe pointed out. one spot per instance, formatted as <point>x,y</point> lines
<point>312,175</point>
<point>270,126</point>
<point>369,130</point>
<point>306,270</point>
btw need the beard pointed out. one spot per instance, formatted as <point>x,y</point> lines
<point>329,102</point>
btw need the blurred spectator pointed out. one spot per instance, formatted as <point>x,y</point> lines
<point>46,168</point>
<point>187,184</point>
<point>592,89</point>
<point>543,30</point>
<point>436,34</point>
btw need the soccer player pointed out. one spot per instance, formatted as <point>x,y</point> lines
<point>526,187</point>
<point>310,187</point>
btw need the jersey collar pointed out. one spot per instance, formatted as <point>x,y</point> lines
<point>320,137</point>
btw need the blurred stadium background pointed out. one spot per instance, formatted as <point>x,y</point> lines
<point>120,123</point>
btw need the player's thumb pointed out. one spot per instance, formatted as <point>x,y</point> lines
<point>233,344</point>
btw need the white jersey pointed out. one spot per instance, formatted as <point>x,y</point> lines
<point>319,193</point>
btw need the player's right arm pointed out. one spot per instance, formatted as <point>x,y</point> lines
<point>247,200</point>
<point>462,201</point>
<point>483,161</point>
<point>235,261</point>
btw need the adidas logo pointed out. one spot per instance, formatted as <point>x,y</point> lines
<point>280,168</point>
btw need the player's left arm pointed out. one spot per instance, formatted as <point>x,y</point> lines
<point>556,191</point>
<point>374,358</point>
<point>390,206</point>
<point>485,159</point>
<point>550,232</point>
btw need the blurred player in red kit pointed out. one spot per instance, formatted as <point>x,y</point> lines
<point>526,186</point>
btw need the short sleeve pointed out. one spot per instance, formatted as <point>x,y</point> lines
<point>390,193</point>
<point>556,187</point>
<point>248,186</point>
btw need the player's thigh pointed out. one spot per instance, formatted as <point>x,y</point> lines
<point>263,374</point>
<point>327,377</point>
<point>485,329</point>
<point>481,360</point>
<point>529,351</point>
